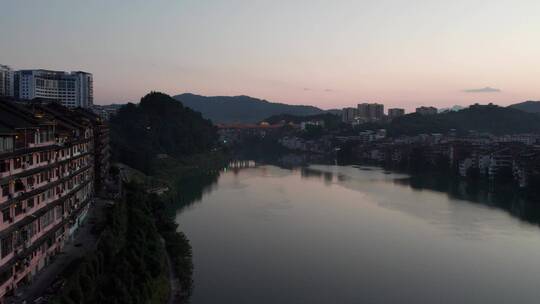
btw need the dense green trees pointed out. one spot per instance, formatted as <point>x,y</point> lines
<point>480,118</point>
<point>130,262</point>
<point>158,125</point>
<point>129,265</point>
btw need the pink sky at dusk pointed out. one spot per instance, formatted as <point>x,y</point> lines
<point>329,54</point>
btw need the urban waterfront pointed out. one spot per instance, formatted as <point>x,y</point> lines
<point>344,234</point>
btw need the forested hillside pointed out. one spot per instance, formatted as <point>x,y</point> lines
<point>481,118</point>
<point>158,125</point>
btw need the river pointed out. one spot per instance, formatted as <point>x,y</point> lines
<point>343,234</point>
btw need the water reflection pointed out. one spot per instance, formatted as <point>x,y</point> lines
<point>366,236</point>
<point>309,173</point>
<point>508,199</point>
<point>191,188</point>
<point>504,198</point>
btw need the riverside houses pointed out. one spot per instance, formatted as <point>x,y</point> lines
<point>47,169</point>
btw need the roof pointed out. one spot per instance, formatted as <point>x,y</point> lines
<point>4,130</point>
<point>10,117</point>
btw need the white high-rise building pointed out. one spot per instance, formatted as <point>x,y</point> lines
<point>6,81</point>
<point>73,89</point>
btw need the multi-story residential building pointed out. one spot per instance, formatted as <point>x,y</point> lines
<point>395,112</point>
<point>371,111</point>
<point>102,149</point>
<point>426,110</point>
<point>47,170</point>
<point>6,81</point>
<point>73,89</point>
<point>348,114</point>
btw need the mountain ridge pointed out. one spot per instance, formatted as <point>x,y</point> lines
<point>241,108</point>
<point>530,106</point>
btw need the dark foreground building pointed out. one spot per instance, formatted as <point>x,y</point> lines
<point>52,159</point>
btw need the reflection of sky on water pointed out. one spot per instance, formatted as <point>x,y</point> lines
<point>328,234</point>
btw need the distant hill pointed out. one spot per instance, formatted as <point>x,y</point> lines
<point>481,118</point>
<point>242,109</point>
<point>527,106</point>
<point>334,111</point>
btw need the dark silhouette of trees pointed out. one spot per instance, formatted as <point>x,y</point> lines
<point>159,124</point>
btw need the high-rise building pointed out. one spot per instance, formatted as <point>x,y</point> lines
<point>73,89</point>
<point>426,110</point>
<point>348,114</point>
<point>48,171</point>
<point>371,111</point>
<point>6,81</point>
<point>395,112</point>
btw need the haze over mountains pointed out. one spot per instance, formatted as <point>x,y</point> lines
<point>246,109</point>
<point>241,109</point>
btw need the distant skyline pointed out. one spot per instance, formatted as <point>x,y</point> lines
<point>330,54</point>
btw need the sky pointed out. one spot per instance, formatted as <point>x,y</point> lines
<point>330,54</point>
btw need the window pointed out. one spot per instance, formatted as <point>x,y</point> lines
<point>5,275</point>
<point>17,163</point>
<point>6,215</point>
<point>5,190</point>
<point>6,245</point>
<point>4,166</point>
<point>30,159</point>
<point>30,203</point>
<point>58,212</point>
<point>19,186</point>
<point>6,144</point>
<point>46,219</point>
<point>18,208</point>
<point>30,181</point>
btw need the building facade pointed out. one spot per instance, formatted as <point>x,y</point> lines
<point>348,114</point>
<point>371,111</point>
<point>6,81</point>
<point>74,89</point>
<point>47,181</point>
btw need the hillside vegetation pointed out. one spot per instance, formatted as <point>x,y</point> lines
<point>129,264</point>
<point>158,125</point>
<point>481,118</point>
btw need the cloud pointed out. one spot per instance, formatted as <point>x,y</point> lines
<point>318,90</point>
<point>482,90</point>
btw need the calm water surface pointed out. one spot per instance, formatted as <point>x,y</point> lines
<point>331,234</point>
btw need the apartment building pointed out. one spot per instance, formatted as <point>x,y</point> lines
<point>74,89</point>
<point>6,81</point>
<point>348,114</point>
<point>71,89</point>
<point>371,111</point>
<point>47,181</point>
